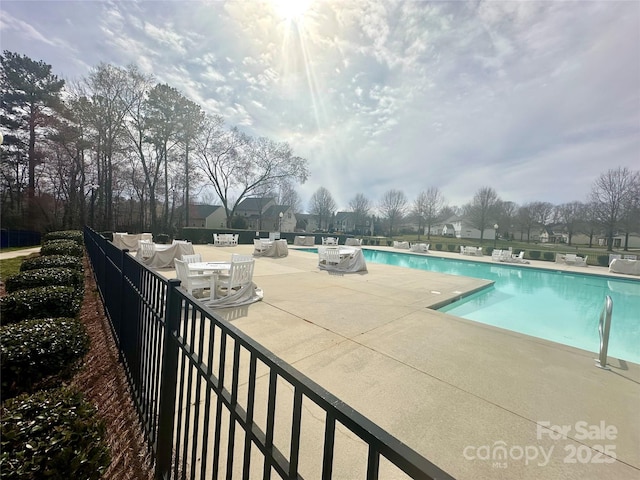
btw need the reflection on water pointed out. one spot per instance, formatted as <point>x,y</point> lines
<point>558,306</point>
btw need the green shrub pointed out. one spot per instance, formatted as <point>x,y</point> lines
<point>38,349</point>
<point>365,241</point>
<point>162,238</point>
<point>40,302</point>
<point>52,261</point>
<point>438,246</point>
<point>535,254</point>
<point>389,243</point>
<point>73,235</point>
<point>451,247</point>
<point>488,250</point>
<point>549,256</point>
<point>45,277</point>
<point>603,260</point>
<point>52,434</point>
<point>62,247</point>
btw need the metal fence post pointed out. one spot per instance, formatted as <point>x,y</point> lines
<point>168,380</point>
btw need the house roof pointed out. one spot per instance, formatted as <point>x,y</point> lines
<point>340,216</point>
<point>253,203</point>
<point>201,210</point>
<point>274,210</point>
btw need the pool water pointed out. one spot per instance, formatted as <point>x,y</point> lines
<point>562,307</point>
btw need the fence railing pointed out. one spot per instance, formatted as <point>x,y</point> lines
<point>216,404</point>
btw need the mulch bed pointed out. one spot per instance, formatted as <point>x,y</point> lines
<point>103,381</point>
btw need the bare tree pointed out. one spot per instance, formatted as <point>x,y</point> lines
<point>570,214</point>
<point>360,206</point>
<point>393,207</point>
<point>614,194</point>
<point>541,212</point>
<point>240,166</point>
<point>481,213</point>
<point>426,208</point>
<point>322,206</point>
<point>287,195</point>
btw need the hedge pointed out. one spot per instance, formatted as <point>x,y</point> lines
<point>40,302</point>
<point>52,261</point>
<point>62,247</point>
<point>73,235</point>
<point>45,277</point>
<point>40,351</point>
<point>52,434</point>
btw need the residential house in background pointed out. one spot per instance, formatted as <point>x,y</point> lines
<point>553,234</point>
<point>306,222</point>
<point>619,239</point>
<point>459,227</point>
<point>201,215</point>
<point>263,213</point>
<point>345,222</point>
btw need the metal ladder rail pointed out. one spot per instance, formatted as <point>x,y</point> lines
<point>604,326</point>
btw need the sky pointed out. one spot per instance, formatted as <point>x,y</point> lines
<point>534,99</point>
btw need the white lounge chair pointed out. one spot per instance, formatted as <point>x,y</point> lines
<point>419,247</point>
<point>570,258</point>
<point>191,281</point>
<point>581,262</point>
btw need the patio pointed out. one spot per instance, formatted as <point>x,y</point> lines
<point>458,392</point>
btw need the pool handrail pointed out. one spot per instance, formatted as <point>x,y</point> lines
<point>604,326</point>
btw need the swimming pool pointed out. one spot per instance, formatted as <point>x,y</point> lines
<point>563,307</point>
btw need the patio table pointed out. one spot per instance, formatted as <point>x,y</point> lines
<point>303,240</point>
<point>164,255</point>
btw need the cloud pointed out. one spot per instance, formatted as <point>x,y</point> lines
<point>391,94</point>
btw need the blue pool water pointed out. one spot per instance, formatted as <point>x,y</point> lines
<point>559,306</point>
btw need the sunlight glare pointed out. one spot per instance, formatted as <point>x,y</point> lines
<point>291,9</point>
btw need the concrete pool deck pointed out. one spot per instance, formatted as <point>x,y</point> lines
<point>454,390</point>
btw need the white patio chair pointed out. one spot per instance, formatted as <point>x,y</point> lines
<point>329,255</point>
<point>462,250</point>
<point>196,257</point>
<point>240,276</point>
<point>147,249</point>
<point>191,281</point>
<point>570,258</point>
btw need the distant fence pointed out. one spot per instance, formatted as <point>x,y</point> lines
<point>19,238</point>
<point>215,404</point>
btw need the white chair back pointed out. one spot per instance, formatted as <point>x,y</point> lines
<point>196,257</point>
<point>240,275</point>
<point>147,249</point>
<point>236,257</point>
<point>332,255</point>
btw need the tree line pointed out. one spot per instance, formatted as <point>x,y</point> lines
<point>612,208</point>
<point>117,144</point>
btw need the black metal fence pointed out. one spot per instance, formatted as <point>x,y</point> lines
<point>216,404</point>
<point>18,238</point>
